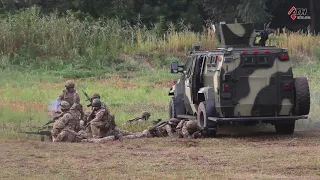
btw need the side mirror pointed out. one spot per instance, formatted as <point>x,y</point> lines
<point>174,67</point>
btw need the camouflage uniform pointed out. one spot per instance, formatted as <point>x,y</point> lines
<point>68,135</point>
<point>99,123</point>
<point>77,112</point>
<point>64,125</point>
<point>89,115</point>
<point>144,133</point>
<point>97,96</point>
<point>66,95</point>
<point>103,124</point>
<point>163,128</point>
<point>187,129</point>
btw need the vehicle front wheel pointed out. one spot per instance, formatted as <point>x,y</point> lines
<point>207,109</point>
<point>285,128</point>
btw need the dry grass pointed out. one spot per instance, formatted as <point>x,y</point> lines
<point>52,42</point>
<point>298,43</point>
<point>173,42</point>
<point>246,156</point>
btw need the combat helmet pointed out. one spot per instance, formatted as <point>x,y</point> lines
<point>64,105</point>
<point>96,103</point>
<point>95,96</point>
<point>70,84</point>
<point>174,121</point>
<point>145,115</point>
<point>192,125</point>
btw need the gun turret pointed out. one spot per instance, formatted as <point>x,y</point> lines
<point>264,35</point>
<point>237,34</point>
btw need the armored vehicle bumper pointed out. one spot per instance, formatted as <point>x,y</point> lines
<point>243,119</point>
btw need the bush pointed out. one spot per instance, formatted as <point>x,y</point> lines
<point>31,40</point>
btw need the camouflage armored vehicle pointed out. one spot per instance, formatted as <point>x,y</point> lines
<point>239,82</point>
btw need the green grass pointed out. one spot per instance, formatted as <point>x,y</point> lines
<point>25,96</point>
<point>127,65</point>
<point>69,47</point>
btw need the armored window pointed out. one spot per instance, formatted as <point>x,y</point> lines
<point>249,60</point>
<point>262,60</point>
<point>255,61</point>
<point>212,60</point>
<point>188,64</point>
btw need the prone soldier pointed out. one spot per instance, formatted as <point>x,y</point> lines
<point>188,129</point>
<point>164,128</point>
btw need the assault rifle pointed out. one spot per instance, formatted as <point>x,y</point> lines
<point>42,131</point>
<point>51,121</point>
<point>134,119</point>
<point>88,98</point>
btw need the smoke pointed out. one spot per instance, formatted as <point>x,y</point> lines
<point>52,106</point>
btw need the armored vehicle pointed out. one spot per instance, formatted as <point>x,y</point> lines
<point>239,82</point>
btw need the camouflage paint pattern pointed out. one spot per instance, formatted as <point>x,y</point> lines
<point>256,84</point>
<point>237,34</point>
<point>255,76</point>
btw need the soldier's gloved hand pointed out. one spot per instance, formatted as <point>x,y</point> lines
<point>196,135</point>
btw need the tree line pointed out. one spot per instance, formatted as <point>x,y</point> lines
<point>191,13</point>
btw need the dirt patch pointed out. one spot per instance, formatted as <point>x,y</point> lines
<point>168,83</point>
<point>23,106</point>
<point>118,82</point>
<point>263,156</point>
<point>150,107</point>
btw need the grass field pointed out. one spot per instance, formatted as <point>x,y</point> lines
<point>242,153</point>
<point>128,66</point>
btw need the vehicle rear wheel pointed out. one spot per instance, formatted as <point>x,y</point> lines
<point>301,96</point>
<point>207,109</point>
<point>176,107</point>
<point>285,128</point>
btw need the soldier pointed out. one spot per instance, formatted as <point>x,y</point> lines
<point>76,111</point>
<point>142,134</point>
<point>160,129</point>
<point>103,123</point>
<point>97,96</point>
<point>188,129</point>
<point>145,116</point>
<point>90,114</point>
<point>163,128</point>
<point>69,94</point>
<point>63,128</point>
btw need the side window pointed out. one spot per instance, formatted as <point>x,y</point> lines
<point>188,66</point>
<point>212,60</point>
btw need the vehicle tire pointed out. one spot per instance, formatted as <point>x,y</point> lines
<point>285,128</point>
<point>176,107</point>
<point>207,109</point>
<point>301,96</point>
